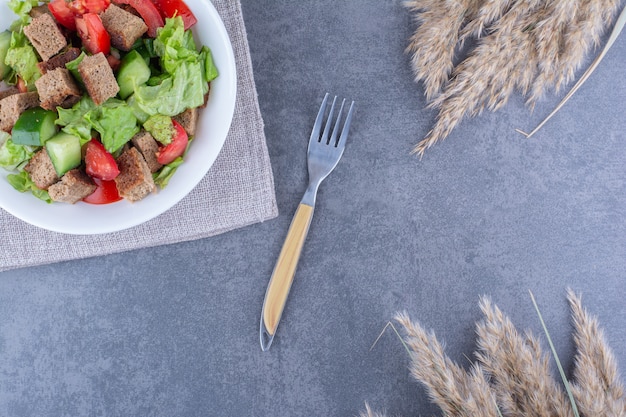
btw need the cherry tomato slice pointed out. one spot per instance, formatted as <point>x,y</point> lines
<point>176,147</point>
<point>99,163</point>
<point>95,6</point>
<point>106,193</point>
<point>171,8</point>
<point>91,31</point>
<point>149,13</point>
<point>62,13</point>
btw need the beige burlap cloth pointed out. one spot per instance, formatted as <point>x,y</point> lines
<point>237,191</point>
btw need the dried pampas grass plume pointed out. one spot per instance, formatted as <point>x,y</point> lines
<point>529,46</point>
<point>597,388</point>
<point>512,376</point>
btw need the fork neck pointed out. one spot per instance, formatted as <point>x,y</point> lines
<point>311,192</point>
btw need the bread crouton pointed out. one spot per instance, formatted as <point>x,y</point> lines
<point>123,27</point>
<point>59,61</point>
<point>57,88</point>
<point>73,187</point>
<point>41,170</point>
<point>148,147</point>
<point>12,106</point>
<point>39,10</point>
<point>9,92</point>
<point>135,180</point>
<point>188,120</point>
<point>45,36</point>
<point>98,78</point>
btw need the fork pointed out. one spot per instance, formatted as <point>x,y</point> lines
<point>323,154</point>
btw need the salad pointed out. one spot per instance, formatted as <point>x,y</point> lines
<point>101,97</point>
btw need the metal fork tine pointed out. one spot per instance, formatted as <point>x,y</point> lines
<point>324,138</point>
<point>317,127</point>
<point>346,127</point>
<point>333,139</point>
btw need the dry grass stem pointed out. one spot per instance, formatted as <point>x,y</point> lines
<point>617,29</point>
<point>370,413</point>
<point>598,389</point>
<point>530,46</point>
<point>520,372</point>
<point>484,14</point>
<point>489,75</point>
<point>550,34</point>
<point>512,375</point>
<point>433,43</point>
<point>455,391</point>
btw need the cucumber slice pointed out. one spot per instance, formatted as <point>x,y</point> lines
<point>5,43</point>
<point>133,72</point>
<point>34,127</point>
<point>64,151</point>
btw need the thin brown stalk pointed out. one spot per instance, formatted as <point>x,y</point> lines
<point>434,41</point>
<point>597,389</point>
<point>520,372</point>
<point>490,74</point>
<point>617,29</point>
<point>455,391</point>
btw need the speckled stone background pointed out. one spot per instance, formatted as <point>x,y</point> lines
<point>173,330</point>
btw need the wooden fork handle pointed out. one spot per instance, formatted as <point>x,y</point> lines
<point>284,271</point>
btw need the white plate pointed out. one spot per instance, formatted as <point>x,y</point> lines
<point>213,126</point>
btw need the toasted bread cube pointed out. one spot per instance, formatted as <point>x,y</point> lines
<point>45,36</point>
<point>148,147</point>
<point>98,78</point>
<point>59,61</point>
<point>188,120</point>
<point>9,92</point>
<point>57,88</point>
<point>73,187</point>
<point>12,106</point>
<point>123,27</point>
<point>41,170</point>
<point>135,179</point>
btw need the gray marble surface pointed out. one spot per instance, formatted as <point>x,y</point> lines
<point>173,330</point>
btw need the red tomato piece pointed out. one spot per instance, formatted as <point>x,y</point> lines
<point>176,147</point>
<point>91,31</point>
<point>114,62</point>
<point>148,12</point>
<point>95,6</point>
<point>77,7</point>
<point>99,163</point>
<point>106,193</point>
<point>171,8</point>
<point>62,13</point>
<point>21,85</point>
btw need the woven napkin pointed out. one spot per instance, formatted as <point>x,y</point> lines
<point>237,191</point>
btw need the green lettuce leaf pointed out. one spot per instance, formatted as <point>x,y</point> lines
<point>22,57</point>
<point>184,81</point>
<point>22,9</point>
<point>210,70</point>
<point>114,120</point>
<point>73,119</point>
<point>162,177</point>
<point>160,127</point>
<point>12,155</point>
<point>23,183</point>
<point>182,90</point>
